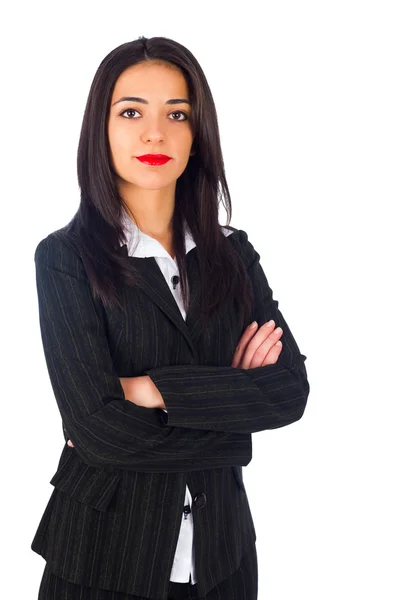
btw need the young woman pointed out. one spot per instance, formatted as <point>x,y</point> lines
<point>144,306</point>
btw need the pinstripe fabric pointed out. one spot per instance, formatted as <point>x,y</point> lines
<point>241,585</point>
<point>113,518</point>
<point>142,245</point>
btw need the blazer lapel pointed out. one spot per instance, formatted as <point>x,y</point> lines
<point>157,289</point>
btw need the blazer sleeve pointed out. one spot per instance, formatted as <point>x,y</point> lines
<point>231,399</point>
<point>107,430</point>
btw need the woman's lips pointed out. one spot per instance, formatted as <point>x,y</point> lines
<point>154,159</point>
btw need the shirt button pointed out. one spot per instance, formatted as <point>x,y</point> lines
<point>174,281</point>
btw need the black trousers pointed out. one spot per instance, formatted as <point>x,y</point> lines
<point>241,585</point>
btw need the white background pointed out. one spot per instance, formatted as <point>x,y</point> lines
<point>307,95</point>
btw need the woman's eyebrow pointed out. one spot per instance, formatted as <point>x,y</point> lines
<point>136,99</point>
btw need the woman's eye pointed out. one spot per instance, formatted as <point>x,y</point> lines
<point>128,110</point>
<point>178,112</point>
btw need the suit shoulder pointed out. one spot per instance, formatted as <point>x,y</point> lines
<point>59,250</point>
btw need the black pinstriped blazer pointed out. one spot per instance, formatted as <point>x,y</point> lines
<point>113,518</point>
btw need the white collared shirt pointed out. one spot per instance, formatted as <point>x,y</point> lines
<point>141,245</point>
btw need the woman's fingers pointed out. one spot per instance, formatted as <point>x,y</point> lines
<point>260,344</point>
<point>261,354</point>
<point>70,444</point>
<point>241,347</point>
<point>254,346</point>
<point>272,355</point>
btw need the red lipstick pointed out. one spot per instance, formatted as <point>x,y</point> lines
<point>154,159</point>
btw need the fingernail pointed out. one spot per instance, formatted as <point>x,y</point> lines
<point>270,322</point>
<point>252,325</point>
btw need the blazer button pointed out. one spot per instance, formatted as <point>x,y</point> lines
<point>200,500</point>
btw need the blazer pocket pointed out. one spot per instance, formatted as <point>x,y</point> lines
<point>90,485</point>
<point>238,476</point>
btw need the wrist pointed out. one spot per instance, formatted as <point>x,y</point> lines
<point>158,401</point>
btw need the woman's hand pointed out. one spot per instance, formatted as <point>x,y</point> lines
<point>258,349</point>
<point>138,391</point>
<point>141,391</point>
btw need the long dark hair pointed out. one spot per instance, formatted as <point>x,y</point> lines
<point>97,228</point>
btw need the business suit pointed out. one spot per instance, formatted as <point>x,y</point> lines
<point>142,245</point>
<point>113,518</point>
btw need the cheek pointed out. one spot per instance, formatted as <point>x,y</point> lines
<point>184,146</point>
<point>120,139</point>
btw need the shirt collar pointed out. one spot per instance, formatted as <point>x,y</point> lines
<point>141,245</point>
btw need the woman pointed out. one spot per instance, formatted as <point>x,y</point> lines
<point>144,305</point>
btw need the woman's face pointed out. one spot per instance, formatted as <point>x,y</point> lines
<point>154,127</point>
